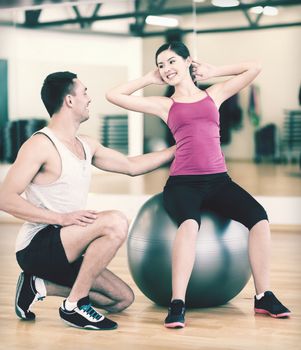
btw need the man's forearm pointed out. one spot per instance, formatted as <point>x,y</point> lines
<point>148,162</point>
<point>19,207</point>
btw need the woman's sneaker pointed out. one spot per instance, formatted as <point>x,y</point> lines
<point>26,295</point>
<point>84,316</point>
<point>176,314</point>
<point>270,305</point>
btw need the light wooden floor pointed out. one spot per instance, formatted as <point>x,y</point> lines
<point>232,326</point>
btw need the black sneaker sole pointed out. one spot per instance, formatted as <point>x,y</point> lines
<point>89,327</point>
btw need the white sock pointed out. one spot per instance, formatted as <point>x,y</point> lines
<point>69,306</point>
<point>40,286</point>
<point>259,296</point>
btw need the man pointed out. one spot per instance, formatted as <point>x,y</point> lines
<point>62,248</point>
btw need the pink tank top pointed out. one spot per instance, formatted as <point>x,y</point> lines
<point>196,130</point>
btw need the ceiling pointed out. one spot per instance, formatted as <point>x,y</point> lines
<point>127,17</point>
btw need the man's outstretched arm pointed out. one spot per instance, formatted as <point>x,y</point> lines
<point>110,160</point>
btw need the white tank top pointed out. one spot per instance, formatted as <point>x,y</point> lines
<point>66,194</point>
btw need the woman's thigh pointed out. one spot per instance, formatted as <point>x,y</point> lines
<point>182,203</point>
<point>232,201</point>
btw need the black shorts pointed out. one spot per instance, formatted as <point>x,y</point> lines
<point>185,196</point>
<point>45,257</point>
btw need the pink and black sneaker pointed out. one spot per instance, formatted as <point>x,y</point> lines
<point>271,306</point>
<point>176,315</point>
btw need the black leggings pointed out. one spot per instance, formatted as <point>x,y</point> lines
<point>185,196</point>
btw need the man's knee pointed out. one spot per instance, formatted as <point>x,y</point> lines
<point>116,225</point>
<point>127,300</point>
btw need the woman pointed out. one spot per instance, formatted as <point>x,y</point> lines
<point>198,174</point>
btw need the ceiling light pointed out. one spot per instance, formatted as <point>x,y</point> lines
<point>199,0</point>
<point>225,3</point>
<point>270,11</point>
<point>162,21</point>
<point>257,9</point>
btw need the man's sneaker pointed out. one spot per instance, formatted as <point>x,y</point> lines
<point>26,295</point>
<point>84,316</point>
<point>270,305</point>
<point>176,314</point>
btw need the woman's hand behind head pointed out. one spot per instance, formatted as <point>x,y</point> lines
<point>202,71</point>
<point>154,77</point>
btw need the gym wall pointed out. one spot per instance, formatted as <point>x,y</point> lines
<point>101,62</point>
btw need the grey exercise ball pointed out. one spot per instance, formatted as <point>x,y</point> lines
<point>221,268</point>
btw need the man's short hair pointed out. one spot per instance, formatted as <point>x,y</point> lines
<point>55,87</point>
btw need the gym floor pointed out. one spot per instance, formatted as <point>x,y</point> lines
<point>231,326</point>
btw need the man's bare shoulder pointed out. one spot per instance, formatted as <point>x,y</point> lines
<point>39,139</point>
<point>38,144</point>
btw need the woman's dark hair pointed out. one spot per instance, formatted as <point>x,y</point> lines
<point>176,46</point>
<point>55,87</point>
<point>179,48</point>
